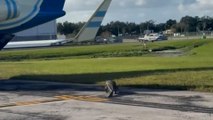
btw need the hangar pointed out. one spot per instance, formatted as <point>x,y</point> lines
<point>47,31</point>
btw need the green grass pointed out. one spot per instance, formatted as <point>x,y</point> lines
<point>96,51</point>
<point>95,64</point>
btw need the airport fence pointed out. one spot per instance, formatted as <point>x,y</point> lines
<point>180,36</point>
<point>192,35</point>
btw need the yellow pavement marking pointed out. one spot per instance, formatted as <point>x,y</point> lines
<point>82,98</point>
<point>28,103</point>
<point>55,99</point>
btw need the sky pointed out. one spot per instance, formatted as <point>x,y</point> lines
<point>138,10</point>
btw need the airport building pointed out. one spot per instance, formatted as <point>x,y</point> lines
<point>47,31</point>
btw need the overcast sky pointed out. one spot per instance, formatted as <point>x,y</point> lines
<point>138,10</point>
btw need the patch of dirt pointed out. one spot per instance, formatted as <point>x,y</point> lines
<point>170,53</point>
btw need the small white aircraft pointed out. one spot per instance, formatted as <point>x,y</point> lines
<point>153,37</point>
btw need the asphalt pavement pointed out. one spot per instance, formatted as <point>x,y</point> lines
<point>28,100</point>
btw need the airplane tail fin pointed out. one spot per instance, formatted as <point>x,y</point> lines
<point>90,29</point>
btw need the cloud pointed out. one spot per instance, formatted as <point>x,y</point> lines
<point>138,10</point>
<point>199,7</point>
<point>80,5</point>
<point>140,2</point>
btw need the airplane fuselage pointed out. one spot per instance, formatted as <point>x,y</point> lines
<point>18,15</point>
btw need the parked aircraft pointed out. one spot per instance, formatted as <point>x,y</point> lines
<point>153,37</point>
<point>19,15</point>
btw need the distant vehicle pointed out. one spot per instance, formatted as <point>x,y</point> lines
<point>101,40</point>
<point>112,39</point>
<point>153,37</point>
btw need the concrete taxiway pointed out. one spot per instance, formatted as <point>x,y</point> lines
<point>27,100</point>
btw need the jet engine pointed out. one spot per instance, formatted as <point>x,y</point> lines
<point>9,9</point>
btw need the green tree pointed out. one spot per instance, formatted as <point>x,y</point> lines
<point>170,23</point>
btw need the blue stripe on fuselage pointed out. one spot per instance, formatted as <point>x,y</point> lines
<point>8,9</point>
<point>15,9</point>
<point>29,15</point>
<point>94,24</point>
<point>100,14</point>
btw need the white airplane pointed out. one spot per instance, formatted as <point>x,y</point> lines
<point>19,15</point>
<point>153,37</point>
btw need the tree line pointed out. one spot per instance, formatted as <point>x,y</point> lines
<point>186,24</point>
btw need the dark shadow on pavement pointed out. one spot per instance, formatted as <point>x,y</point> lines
<point>94,78</point>
<point>182,108</point>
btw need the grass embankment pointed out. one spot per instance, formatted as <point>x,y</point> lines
<point>194,71</point>
<point>115,50</point>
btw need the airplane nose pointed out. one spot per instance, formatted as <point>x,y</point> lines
<point>9,9</point>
